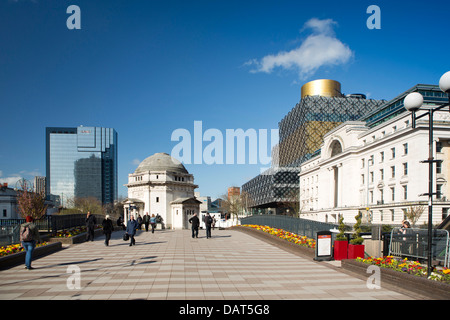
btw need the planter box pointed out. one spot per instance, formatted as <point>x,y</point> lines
<point>355,251</point>
<point>79,238</point>
<point>429,288</point>
<point>340,249</point>
<point>14,259</point>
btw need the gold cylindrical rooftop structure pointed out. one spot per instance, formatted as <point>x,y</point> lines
<point>322,87</point>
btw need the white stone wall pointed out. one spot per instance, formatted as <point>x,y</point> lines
<point>361,183</point>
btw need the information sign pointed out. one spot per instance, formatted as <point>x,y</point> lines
<point>323,246</point>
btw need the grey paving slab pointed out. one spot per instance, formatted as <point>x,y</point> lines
<point>170,265</point>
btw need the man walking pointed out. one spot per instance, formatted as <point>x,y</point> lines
<point>91,221</point>
<point>132,225</point>
<point>146,220</point>
<point>195,224</point>
<point>108,228</point>
<point>208,222</point>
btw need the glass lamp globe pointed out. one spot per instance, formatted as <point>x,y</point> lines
<point>413,101</point>
<point>444,82</point>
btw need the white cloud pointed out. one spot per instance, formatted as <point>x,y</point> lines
<point>11,180</point>
<point>321,48</point>
<point>136,162</point>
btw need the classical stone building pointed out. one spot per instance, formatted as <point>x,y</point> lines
<point>373,167</point>
<point>162,186</point>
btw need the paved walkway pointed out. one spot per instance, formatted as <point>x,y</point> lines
<point>171,265</point>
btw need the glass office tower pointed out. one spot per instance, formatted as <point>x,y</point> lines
<point>82,162</point>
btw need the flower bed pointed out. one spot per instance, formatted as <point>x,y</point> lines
<point>285,235</point>
<point>73,232</point>
<point>436,290</point>
<point>15,248</point>
<point>74,235</point>
<point>409,275</point>
<point>13,255</point>
<point>410,267</point>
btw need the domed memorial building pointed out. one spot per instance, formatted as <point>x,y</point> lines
<point>162,186</point>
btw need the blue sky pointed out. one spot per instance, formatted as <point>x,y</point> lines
<point>147,68</point>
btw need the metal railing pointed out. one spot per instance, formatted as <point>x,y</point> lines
<point>302,227</point>
<point>9,228</point>
<point>9,234</point>
<point>413,244</point>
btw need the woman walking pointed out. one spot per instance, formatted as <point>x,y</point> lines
<point>153,222</point>
<point>29,236</point>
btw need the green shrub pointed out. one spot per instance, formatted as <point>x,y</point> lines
<point>356,238</point>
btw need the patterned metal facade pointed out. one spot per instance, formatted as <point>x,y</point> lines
<point>301,134</point>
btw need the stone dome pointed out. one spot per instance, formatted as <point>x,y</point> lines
<point>161,162</point>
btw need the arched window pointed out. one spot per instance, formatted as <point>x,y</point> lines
<point>335,148</point>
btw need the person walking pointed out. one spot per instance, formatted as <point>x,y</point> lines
<point>153,222</point>
<point>139,221</point>
<point>132,225</point>
<point>91,221</point>
<point>146,221</point>
<point>29,236</point>
<point>108,228</point>
<point>195,224</point>
<point>120,223</point>
<point>208,221</point>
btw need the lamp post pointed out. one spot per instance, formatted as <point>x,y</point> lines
<point>413,102</point>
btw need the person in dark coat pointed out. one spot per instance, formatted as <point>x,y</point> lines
<point>108,228</point>
<point>91,221</point>
<point>120,223</point>
<point>208,221</point>
<point>195,221</point>
<point>139,221</point>
<point>146,221</point>
<point>132,225</point>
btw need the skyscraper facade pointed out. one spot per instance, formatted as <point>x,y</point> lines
<point>81,162</point>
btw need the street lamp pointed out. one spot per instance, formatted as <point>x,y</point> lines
<point>413,102</point>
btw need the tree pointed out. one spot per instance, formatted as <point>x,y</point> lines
<point>234,205</point>
<point>31,203</point>
<point>413,213</point>
<point>356,238</point>
<point>91,204</point>
<point>341,235</point>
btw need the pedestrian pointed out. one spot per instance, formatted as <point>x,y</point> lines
<point>108,228</point>
<point>146,220</point>
<point>153,222</point>
<point>405,225</point>
<point>139,221</point>
<point>120,223</point>
<point>91,221</point>
<point>406,245</point>
<point>132,225</point>
<point>208,221</point>
<point>213,225</point>
<point>29,236</point>
<point>195,224</point>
